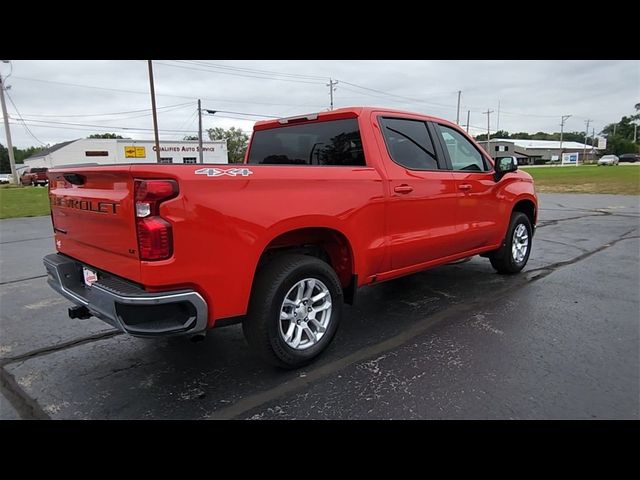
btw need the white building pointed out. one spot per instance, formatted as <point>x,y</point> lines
<point>537,152</point>
<point>121,151</point>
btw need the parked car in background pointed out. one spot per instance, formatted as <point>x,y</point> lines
<point>34,176</point>
<point>630,157</point>
<point>608,160</point>
<point>5,178</point>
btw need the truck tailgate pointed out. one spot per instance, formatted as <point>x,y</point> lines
<point>93,217</point>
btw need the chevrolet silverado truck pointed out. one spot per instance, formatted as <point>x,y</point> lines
<point>322,205</point>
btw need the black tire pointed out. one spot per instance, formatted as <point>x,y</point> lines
<point>502,259</point>
<point>272,283</point>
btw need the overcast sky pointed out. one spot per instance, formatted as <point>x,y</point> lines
<point>65,100</point>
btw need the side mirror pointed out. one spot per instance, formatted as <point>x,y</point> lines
<point>505,165</point>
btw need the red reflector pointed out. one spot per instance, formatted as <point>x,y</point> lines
<point>155,239</point>
<point>154,190</point>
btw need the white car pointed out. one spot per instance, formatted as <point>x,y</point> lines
<point>608,160</point>
<point>6,178</point>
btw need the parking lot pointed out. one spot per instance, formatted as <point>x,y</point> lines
<point>560,340</point>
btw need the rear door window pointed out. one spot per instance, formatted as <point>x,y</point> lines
<point>334,142</point>
<point>409,143</point>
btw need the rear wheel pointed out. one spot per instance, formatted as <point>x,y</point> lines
<point>294,311</point>
<point>514,253</point>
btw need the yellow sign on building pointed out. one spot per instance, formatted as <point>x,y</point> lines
<point>135,152</point>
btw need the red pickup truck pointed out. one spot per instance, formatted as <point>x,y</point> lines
<point>322,205</point>
<point>34,176</point>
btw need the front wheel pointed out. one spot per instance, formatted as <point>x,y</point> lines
<point>514,253</point>
<point>294,311</point>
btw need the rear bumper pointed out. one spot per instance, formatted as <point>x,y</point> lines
<point>125,305</point>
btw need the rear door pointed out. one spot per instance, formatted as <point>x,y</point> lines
<point>93,217</point>
<point>477,203</point>
<point>421,217</point>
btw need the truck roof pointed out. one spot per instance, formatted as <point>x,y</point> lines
<point>346,112</point>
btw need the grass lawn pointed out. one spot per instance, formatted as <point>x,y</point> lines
<point>23,202</point>
<point>620,179</point>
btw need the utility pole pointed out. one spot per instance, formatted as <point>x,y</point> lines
<point>458,114</point>
<point>586,135</point>
<point>615,125</point>
<point>488,114</point>
<point>12,160</point>
<point>563,119</point>
<point>498,121</point>
<point>331,90</point>
<point>153,108</point>
<point>468,115</point>
<point>635,133</point>
<point>200,131</point>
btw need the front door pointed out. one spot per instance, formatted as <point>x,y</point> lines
<point>478,206</point>
<point>421,218</point>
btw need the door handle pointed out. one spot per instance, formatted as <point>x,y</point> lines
<point>464,186</point>
<point>404,188</point>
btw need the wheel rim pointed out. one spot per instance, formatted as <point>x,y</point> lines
<point>305,314</point>
<point>520,243</point>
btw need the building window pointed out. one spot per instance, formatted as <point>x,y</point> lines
<point>189,160</point>
<point>502,148</point>
<point>166,159</point>
<point>96,153</point>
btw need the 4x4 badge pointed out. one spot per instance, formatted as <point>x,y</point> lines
<point>218,172</point>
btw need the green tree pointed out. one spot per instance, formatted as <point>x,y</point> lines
<point>624,128</point>
<point>19,155</point>
<point>622,141</point>
<point>237,142</point>
<point>104,135</point>
<point>498,134</point>
<point>618,146</point>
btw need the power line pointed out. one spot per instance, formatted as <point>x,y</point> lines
<point>136,92</point>
<point>263,77</point>
<point>106,114</point>
<point>24,124</point>
<point>250,70</point>
<point>249,114</point>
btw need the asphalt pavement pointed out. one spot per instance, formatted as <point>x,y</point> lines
<point>559,340</point>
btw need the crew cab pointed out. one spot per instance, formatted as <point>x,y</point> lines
<point>323,205</point>
<point>34,176</point>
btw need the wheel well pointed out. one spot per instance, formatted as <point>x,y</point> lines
<point>328,245</point>
<point>528,208</point>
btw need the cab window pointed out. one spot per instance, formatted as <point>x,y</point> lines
<point>464,155</point>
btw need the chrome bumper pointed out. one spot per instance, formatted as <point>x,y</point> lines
<point>125,305</point>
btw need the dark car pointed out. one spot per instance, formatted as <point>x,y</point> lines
<point>34,176</point>
<point>630,157</point>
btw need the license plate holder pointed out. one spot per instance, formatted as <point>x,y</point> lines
<point>90,276</point>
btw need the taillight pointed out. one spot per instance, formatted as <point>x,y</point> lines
<point>155,237</point>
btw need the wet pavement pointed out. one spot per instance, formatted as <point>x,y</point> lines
<point>560,340</point>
